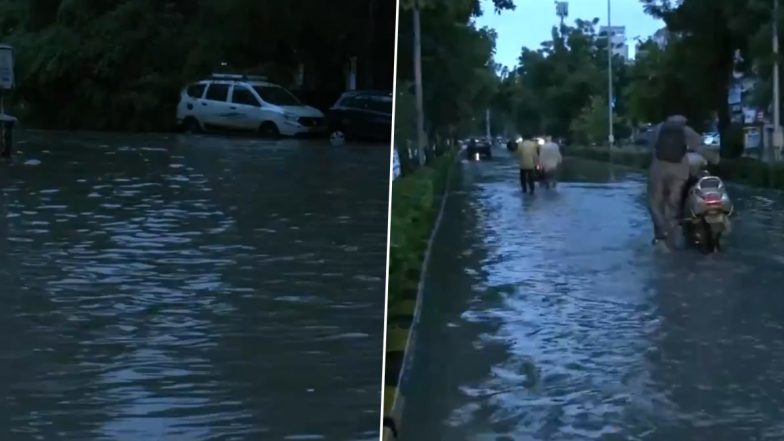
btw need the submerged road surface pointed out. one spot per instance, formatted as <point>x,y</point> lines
<point>163,287</point>
<point>553,318</point>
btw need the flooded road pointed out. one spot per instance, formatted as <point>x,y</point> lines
<point>553,318</point>
<point>164,287</point>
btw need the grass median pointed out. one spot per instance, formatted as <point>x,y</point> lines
<point>415,203</point>
<point>748,171</point>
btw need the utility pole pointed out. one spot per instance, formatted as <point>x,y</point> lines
<point>777,134</point>
<point>610,138</point>
<point>420,107</point>
<point>487,124</point>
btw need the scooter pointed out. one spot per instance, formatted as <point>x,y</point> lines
<point>707,210</point>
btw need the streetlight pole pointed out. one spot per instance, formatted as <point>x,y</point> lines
<point>611,138</point>
<point>777,134</point>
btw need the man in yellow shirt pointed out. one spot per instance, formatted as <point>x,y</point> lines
<point>529,157</point>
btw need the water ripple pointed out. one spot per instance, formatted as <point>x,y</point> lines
<point>553,319</point>
<point>173,289</point>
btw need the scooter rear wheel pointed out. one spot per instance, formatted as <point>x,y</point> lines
<point>706,238</point>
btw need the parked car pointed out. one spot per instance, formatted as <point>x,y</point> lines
<point>361,114</point>
<point>479,147</point>
<point>246,103</point>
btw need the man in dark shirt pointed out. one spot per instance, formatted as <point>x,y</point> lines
<point>671,141</point>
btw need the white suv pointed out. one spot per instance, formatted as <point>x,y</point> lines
<point>248,103</point>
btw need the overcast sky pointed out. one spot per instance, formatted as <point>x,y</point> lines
<point>531,23</point>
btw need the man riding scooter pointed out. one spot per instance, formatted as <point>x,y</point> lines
<point>672,140</point>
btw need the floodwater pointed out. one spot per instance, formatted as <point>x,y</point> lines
<point>165,287</point>
<point>553,318</point>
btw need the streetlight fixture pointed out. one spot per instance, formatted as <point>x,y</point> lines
<point>562,11</point>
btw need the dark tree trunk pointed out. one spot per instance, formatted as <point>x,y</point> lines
<point>721,94</point>
<point>368,63</point>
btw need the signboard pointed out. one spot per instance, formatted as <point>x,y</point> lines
<point>6,67</point>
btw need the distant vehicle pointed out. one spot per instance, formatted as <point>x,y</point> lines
<point>361,115</point>
<point>237,102</point>
<point>711,138</point>
<point>642,139</point>
<point>479,146</point>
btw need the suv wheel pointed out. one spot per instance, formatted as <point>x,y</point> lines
<point>337,137</point>
<point>269,129</point>
<point>192,126</point>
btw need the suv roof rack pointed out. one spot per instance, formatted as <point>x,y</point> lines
<point>237,77</point>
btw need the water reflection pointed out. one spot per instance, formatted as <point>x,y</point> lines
<point>551,318</point>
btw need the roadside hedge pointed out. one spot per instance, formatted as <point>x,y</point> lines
<point>415,204</point>
<point>743,170</point>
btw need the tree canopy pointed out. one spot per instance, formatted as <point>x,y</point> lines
<point>120,65</point>
<point>561,87</point>
<point>457,63</point>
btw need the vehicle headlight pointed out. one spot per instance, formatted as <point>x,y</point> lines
<point>290,116</point>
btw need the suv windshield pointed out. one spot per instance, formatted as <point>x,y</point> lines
<point>277,95</point>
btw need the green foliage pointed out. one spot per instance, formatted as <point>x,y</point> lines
<point>693,73</point>
<point>559,89</point>
<point>457,62</point>
<point>414,199</point>
<point>591,125</point>
<point>121,65</point>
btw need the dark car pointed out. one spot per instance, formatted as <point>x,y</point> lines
<point>361,115</point>
<point>479,146</point>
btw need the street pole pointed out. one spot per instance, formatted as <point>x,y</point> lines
<point>611,138</point>
<point>777,135</point>
<point>418,83</point>
<point>487,124</point>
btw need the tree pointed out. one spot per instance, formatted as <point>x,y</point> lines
<point>459,79</point>
<point>554,86</point>
<point>121,64</point>
<point>709,36</point>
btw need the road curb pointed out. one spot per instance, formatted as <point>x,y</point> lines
<point>393,417</point>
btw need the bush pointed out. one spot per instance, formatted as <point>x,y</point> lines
<point>414,206</point>
<point>415,200</point>
<point>743,170</point>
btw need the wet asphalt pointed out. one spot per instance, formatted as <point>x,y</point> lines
<point>553,318</point>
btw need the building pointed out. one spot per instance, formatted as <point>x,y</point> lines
<point>618,36</point>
